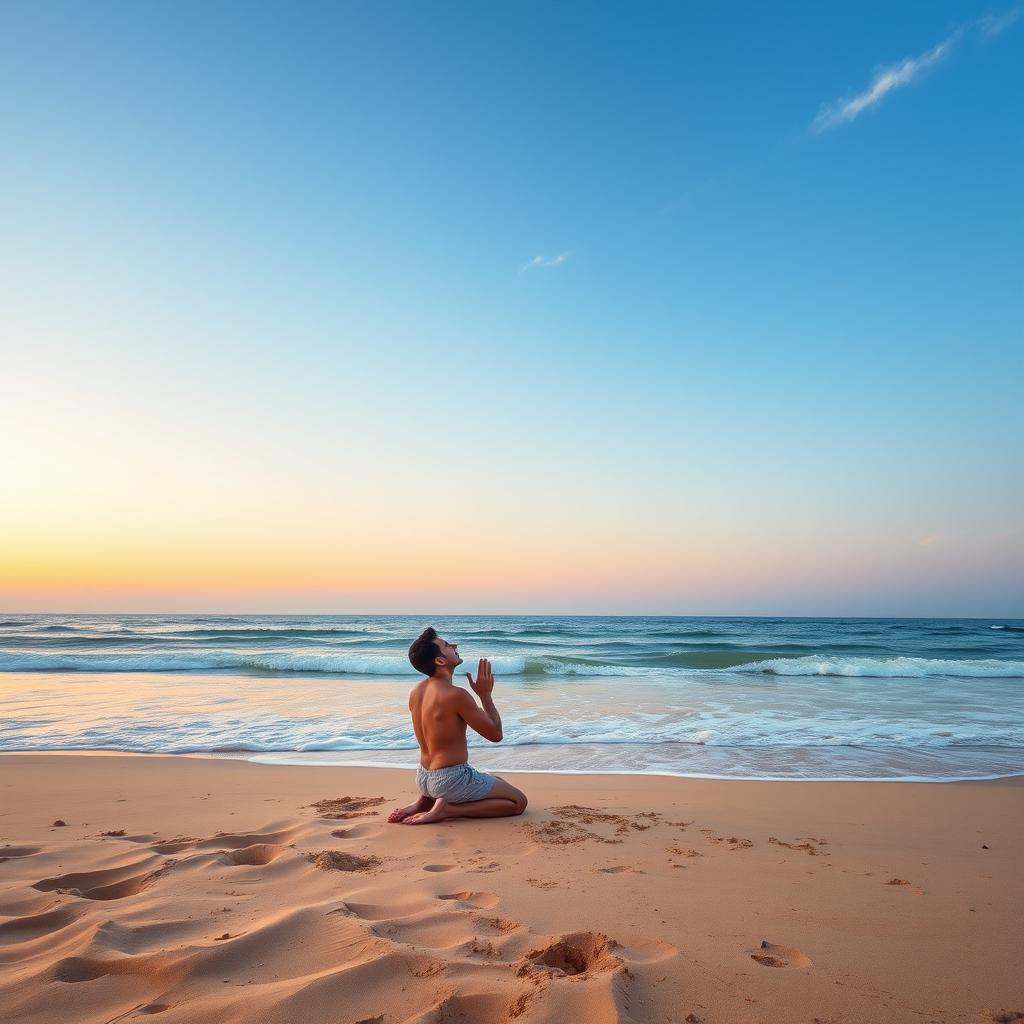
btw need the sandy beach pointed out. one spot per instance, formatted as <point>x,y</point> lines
<point>212,889</point>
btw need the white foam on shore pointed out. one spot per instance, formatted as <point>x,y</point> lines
<point>398,666</point>
<point>297,760</point>
<point>887,668</point>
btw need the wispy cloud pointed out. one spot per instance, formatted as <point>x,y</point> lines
<point>906,71</point>
<point>546,261</point>
<point>886,79</point>
<point>993,24</point>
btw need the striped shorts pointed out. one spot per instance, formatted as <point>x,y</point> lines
<point>458,783</point>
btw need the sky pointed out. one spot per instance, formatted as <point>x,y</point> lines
<point>454,308</point>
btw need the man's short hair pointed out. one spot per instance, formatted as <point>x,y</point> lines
<point>424,650</point>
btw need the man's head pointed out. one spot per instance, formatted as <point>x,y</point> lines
<point>432,655</point>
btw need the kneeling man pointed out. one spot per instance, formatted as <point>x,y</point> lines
<point>449,786</point>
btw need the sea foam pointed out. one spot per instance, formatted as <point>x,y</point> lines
<point>343,663</point>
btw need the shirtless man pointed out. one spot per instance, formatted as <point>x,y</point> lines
<point>449,787</point>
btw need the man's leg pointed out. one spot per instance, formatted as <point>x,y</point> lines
<point>424,803</point>
<point>502,801</point>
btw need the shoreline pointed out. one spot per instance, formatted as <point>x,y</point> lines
<point>274,759</point>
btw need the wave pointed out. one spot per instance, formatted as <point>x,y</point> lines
<point>498,634</point>
<point>338,664</point>
<point>698,663</point>
<point>684,634</point>
<point>261,633</point>
<point>356,664</point>
<point>887,668</point>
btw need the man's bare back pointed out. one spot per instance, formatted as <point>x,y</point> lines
<point>449,786</point>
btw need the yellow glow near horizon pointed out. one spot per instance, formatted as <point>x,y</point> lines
<point>127,494</point>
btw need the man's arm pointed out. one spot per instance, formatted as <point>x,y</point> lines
<point>486,720</point>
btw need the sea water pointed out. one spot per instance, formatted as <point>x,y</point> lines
<point>792,698</point>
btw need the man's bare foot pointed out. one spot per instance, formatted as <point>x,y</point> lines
<point>436,813</point>
<point>424,803</point>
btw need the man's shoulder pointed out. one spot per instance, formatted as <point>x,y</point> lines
<point>452,692</point>
<point>439,691</point>
<point>452,696</point>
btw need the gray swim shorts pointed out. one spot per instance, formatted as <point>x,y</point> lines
<point>458,784</point>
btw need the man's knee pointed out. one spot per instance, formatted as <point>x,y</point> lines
<point>506,791</point>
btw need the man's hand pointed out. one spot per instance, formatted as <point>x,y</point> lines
<point>484,679</point>
<point>486,720</point>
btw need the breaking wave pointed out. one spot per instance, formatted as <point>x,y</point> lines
<point>698,663</point>
<point>888,668</point>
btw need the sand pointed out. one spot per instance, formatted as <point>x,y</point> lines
<point>220,890</point>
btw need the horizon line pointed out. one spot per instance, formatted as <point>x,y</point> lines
<point>518,615</point>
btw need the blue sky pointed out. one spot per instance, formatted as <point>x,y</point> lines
<point>666,288</point>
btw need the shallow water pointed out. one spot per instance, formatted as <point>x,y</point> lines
<point>746,698</point>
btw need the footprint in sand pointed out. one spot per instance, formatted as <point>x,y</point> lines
<point>236,840</point>
<point>572,954</point>
<point>7,852</point>
<point>387,911</point>
<point>120,890</point>
<point>480,900</point>
<point>252,856</point>
<point>771,954</point>
<point>366,831</point>
<point>109,884</point>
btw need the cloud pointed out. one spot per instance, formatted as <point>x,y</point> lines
<point>895,76</point>
<point>901,74</point>
<point>993,24</point>
<point>546,261</point>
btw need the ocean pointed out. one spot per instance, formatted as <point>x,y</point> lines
<point>753,698</point>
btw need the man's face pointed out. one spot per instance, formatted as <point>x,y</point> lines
<point>450,652</point>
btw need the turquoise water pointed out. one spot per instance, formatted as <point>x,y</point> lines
<point>734,697</point>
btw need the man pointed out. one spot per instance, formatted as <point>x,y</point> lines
<point>449,786</point>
